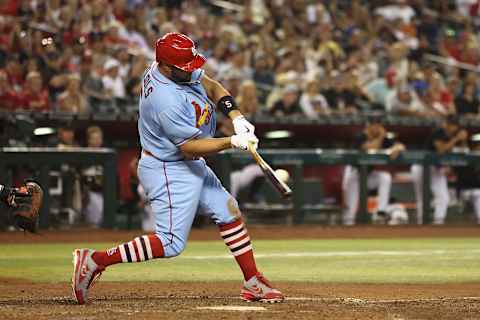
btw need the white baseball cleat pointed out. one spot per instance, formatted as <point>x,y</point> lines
<point>257,288</point>
<point>85,272</point>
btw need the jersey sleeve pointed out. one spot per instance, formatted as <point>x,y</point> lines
<point>359,140</point>
<point>388,143</point>
<point>178,123</point>
<point>437,135</point>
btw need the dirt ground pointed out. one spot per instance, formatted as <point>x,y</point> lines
<point>196,300</point>
<point>256,232</point>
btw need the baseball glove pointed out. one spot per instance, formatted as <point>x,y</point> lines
<point>26,202</point>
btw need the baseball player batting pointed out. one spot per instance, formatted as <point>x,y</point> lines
<point>176,125</point>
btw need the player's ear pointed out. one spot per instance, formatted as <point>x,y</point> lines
<point>164,67</point>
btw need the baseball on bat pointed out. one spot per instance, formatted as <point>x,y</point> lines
<point>271,175</point>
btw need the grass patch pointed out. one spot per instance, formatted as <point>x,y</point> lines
<point>354,261</point>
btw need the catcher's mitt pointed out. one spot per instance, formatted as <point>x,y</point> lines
<point>26,202</point>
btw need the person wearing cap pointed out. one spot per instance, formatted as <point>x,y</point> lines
<point>442,140</point>
<point>176,124</point>
<point>112,81</point>
<point>373,138</point>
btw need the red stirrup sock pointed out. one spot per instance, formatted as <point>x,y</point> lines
<point>140,249</point>
<point>236,238</point>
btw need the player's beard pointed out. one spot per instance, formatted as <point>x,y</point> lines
<point>180,76</point>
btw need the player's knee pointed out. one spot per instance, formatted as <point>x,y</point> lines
<point>231,214</point>
<point>177,247</point>
<point>173,246</point>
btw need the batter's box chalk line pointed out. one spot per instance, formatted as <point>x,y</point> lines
<point>232,308</point>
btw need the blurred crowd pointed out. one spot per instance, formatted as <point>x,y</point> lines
<point>280,57</point>
<point>297,58</point>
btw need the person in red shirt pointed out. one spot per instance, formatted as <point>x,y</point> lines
<point>34,95</point>
<point>8,97</point>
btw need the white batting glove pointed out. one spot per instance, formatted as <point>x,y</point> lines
<point>244,141</point>
<point>242,125</point>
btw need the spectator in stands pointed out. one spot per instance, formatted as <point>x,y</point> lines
<point>247,98</point>
<point>263,75</point>
<point>404,101</point>
<point>232,79</point>
<point>442,140</point>
<point>341,96</point>
<point>393,10</point>
<point>112,81</point>
<point>34,96</point>
<point>338,37</point>
<point>8,97</point>
<point>123,57</point>
<point>312,102</point>
<point>85,67</point>
<point>441,100</point>
<point>372,138</point>
<point>379,89</point>
<point>99,99</point>
<point>365,65</point>
<point>133,38</point>
<point>240,60</point>
<point>133,83</point>
<point>72,99</point>
<point>288,104</point>
<point>467,103</point>
<point>66,137</point>
<point>50,59</point>
<point>14,71</point>
<point>92,181</point>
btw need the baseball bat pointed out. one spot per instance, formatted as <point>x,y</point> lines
<point>276,182</point>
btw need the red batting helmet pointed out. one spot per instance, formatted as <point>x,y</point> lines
<point>178,50</point>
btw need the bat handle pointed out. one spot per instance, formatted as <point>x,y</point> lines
<point>252,147</point>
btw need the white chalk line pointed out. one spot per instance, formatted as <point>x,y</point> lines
<point>337,300</point>
<point>386,301</point>
<point>346,300</point>
<point>365,253</point>
<point>232,308</point>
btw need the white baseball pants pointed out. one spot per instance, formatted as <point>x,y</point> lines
<point>242,178</point>
<point>439,187</point>
<point>474,196</point>
<point>381,180</point>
